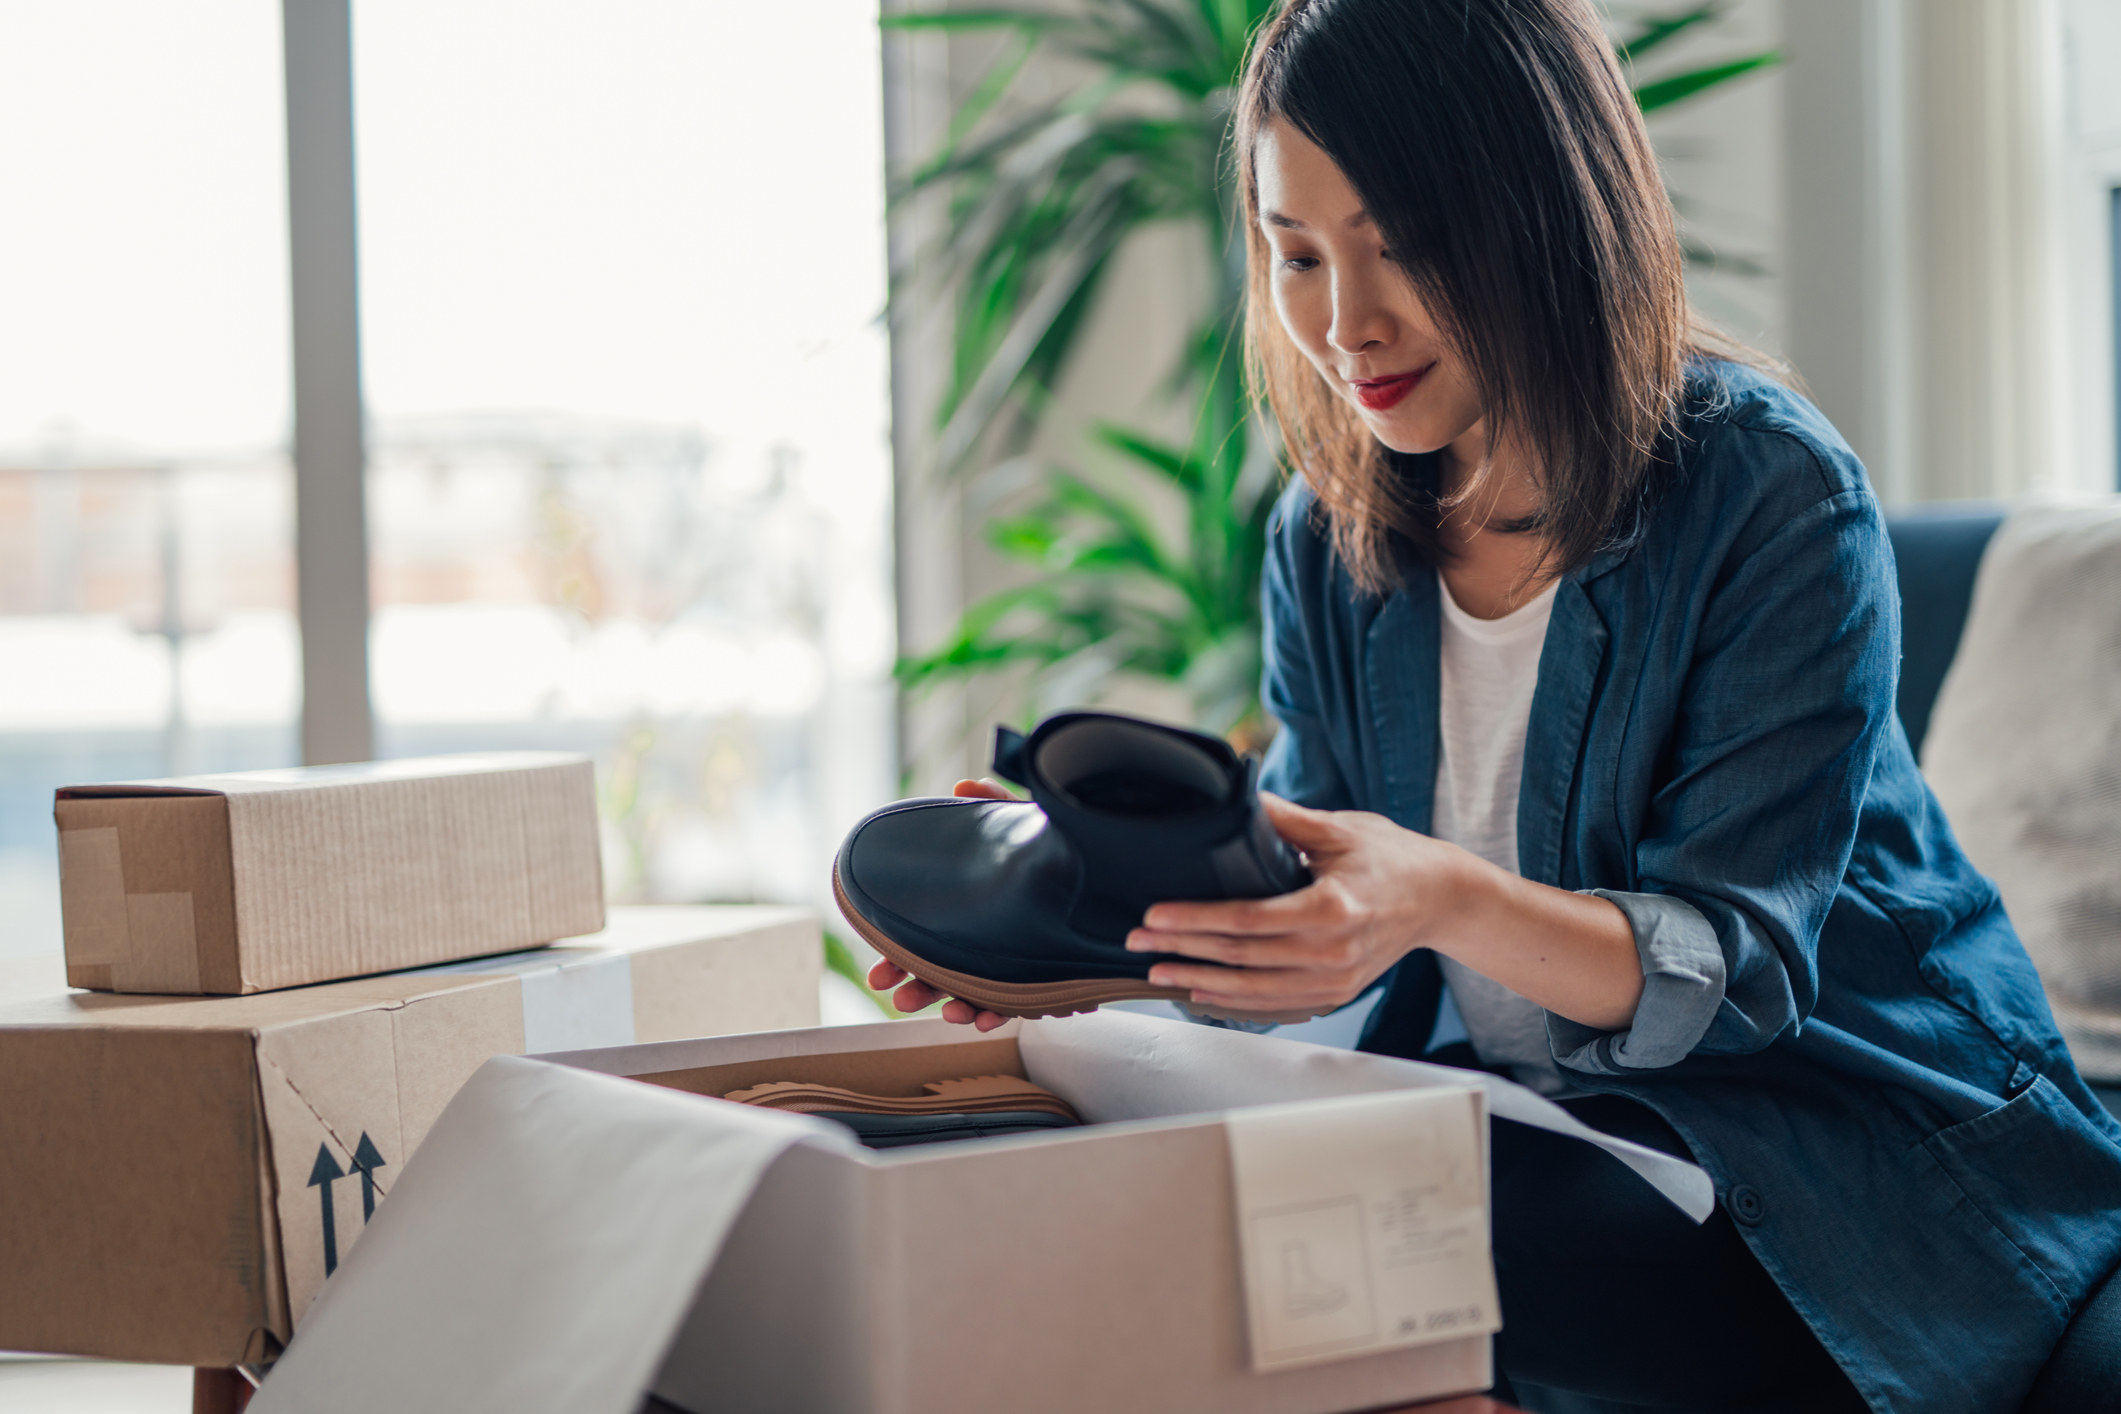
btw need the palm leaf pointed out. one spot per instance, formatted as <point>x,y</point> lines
<point>1664,29</point>
<point>953,20</point>
<point>1041,199</point>
<point>1664,92</point>
<point>1034,329</point>
<point>1167,461</point>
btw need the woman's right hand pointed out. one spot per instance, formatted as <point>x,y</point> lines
<point>914,994</point>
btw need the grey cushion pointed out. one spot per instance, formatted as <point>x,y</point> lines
<point>2024,753</point>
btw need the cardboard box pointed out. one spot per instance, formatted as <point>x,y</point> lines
<point>265,879</point>
<point>1086,1269</point>
<point>178,1175</point>
<point>570,1239</point>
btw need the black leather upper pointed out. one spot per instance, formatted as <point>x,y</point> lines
<point>1152,812</point>
<point>984,887</point>
<point>1125,813</point>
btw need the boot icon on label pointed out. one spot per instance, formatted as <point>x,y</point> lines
<point>1362,1224</point>
<point>1315,1294</point>
<point>1304,1292</point>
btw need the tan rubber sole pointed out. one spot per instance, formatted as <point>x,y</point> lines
<point>987,1094</point>
<point>1033,998</point>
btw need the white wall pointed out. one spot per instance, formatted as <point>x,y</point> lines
<point>1845,205</point>
<point>2089,171</point>
<point>1983,105</point>
<point>1950,298</point>
<point>1722,154</point>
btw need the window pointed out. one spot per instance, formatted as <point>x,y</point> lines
<point>146,571</point>
<point>2089,210</point>
<point>628,488</point>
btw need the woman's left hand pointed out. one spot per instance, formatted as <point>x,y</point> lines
<point>1377,890</point>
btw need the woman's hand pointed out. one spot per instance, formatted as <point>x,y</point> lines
<point>1375,886</point>
<point>914,994</point>
<point>1378,891</point>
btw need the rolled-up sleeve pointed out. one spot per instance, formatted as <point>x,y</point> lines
<point>1682,988</point>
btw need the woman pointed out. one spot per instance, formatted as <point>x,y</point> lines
<point>1583,644</point>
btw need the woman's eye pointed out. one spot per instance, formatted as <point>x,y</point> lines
<point>1299,263</point>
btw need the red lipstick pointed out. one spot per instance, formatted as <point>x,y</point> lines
<point>1377,394</point>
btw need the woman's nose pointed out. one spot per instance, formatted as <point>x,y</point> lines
<point>1361,322</point>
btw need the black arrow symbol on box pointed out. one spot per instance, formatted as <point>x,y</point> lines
<point>366,1160</point>
<point>321,1175</point>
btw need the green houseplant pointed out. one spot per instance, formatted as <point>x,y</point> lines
<point>1041,194</point>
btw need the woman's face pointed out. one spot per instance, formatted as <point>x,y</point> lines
<point>1349,307</point>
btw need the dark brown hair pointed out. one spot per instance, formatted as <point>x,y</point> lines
<point>1501,155</point>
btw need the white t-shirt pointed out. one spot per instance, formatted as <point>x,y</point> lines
<point>1490,668</point>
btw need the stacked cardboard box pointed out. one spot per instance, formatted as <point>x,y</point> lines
<point>181,1164</point>
<point>266,879</point>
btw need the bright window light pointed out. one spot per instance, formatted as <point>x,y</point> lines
<point>146,571</point>
<point>621,272</point>
<point>621,266</point>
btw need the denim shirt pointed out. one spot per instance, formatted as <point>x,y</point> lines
<point>1838,1017</point>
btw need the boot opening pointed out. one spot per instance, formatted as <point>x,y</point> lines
<point>1128,768</point>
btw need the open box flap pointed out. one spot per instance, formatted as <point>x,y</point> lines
<point>1114,1065</point>
<point>539,1252</point>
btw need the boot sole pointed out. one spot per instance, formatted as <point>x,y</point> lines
<point>1034,998</point>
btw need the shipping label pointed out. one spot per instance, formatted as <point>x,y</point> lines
<point>1363,1224</point>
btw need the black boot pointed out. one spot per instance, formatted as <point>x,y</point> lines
<point>1023,907</point>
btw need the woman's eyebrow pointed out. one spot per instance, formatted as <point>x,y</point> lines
<point>1276,218</point>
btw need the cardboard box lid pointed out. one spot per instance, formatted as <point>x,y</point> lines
<point>317,779</point>
<point>33,991</point>
<point>257,880</point>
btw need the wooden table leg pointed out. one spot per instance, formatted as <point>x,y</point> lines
<point>219,1392</point>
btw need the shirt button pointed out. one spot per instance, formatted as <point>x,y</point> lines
<point>1746,1206</point>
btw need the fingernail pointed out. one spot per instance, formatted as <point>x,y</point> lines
<point>1159,978</point>
<point>1137,942</point>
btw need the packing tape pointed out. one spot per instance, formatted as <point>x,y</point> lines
<point>164,936</point>
<point>572,1000</point>
<point>142,942</point>
<point>579,1007</point>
